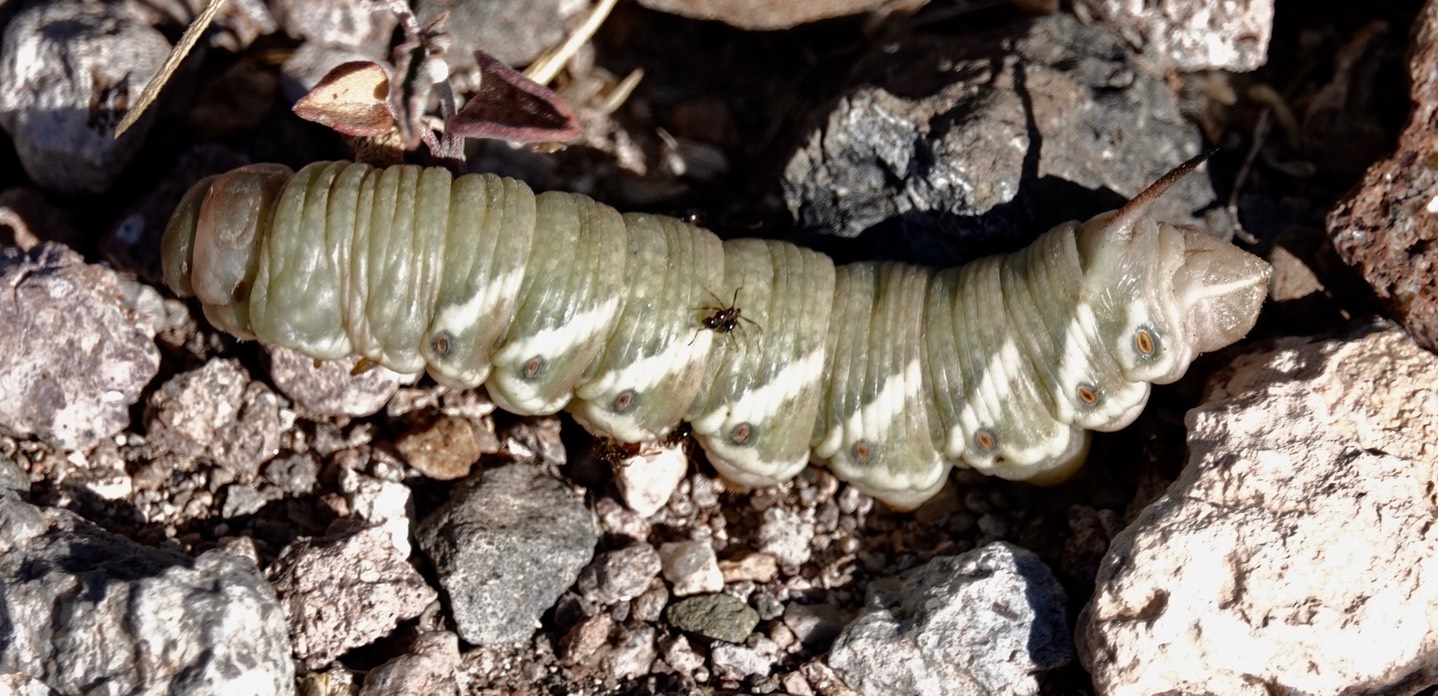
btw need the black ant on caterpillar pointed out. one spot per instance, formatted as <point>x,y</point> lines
<point>723,318</point>
<point>617,454</point>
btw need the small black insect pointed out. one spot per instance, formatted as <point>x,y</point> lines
<point>615,453</point>
<point>679,435</point>
<point>723,318</point>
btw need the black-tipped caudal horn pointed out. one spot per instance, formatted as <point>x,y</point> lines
<point>1137,208</point>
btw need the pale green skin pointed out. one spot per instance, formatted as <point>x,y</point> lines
<point>887,373</point>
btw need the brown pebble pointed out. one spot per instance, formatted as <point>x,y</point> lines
<point>444,448</point>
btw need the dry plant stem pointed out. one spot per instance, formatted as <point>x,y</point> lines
<point>177,54</point>
<point>621,92</point>
<point>1260,136</point>
<point>1269,97</point>
<point>547,67</point>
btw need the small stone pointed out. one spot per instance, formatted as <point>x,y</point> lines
<point>506,545</point>
<point>443,449</point>
<point>297,474</point>
<point>649,606</point>
<point>620,522</point>
<point>84,607</point>
<point>620,575</point>
<point>815,624</point>
<point>68,72</point>
<point>714,616</point>
<point>429,668</point>
<point>1192,35</point>
<point>963,187</point>
<point>76,391</point>
<point>355,23</point>
<point>787,534</point>
<point>647,480</point>
<point>824,681</point>
<point>514,31</point>
<point>753,566</point>
<point>767,605</point>
<point>344,592</point>
<point>691,567</point>
<point>241,500</point>
<point>581,645</point>
<point>536,439</point>
<point>680,655</point>
<point>981,622</point>
<point>217,412</point>
<point>796,685</point>
<point>330,388</point>
<point>756,657</point>
<point>379,503</point>
<point>632,654</point>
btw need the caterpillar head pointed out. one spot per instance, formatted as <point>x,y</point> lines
<point>1163,293</point>
<point>209,248</point>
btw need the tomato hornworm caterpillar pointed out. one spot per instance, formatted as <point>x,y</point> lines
<point>888,373</point>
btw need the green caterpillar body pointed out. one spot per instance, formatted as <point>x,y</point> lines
<point>887,373</point>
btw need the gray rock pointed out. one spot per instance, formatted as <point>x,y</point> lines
<point>956,149</point>
<point>429,668</point>
<point>982,622</point>
<point>68,70</point>
<point>506,545</point>
<point>619,575</point>
<point>1192,35</point>
<point>77,356</point>
<point>649,606</point>
<point>757,657</point>
<point>19,684</point>
<point>330,388</point>
<point>344,592</point>
<point>787,534</point>
<point>1295,552</point>
<point>680,655</point>
<point>600,646</point>
<point>691,567</point>
<point>237,24</point>
<point>13,476</point>
<point>217,412</point>
<point>514,31</point>
<point>297,474</point>
<point>714,616</point>
<point>241,500</point>
<point>818,624</point>
<point>89,612</point>
<point>359,24</point>
<point>312,61</point>
<point>632,654</point>
<point>380,503</point>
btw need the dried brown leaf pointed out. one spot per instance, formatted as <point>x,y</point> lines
<point>510,106</point>
<point>350,100</point>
